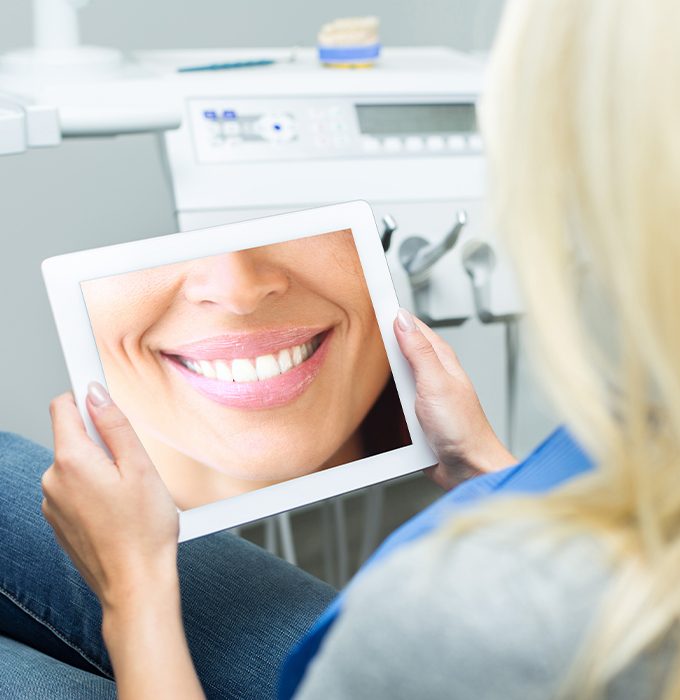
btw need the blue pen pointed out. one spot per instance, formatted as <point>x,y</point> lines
<point>227,66</point>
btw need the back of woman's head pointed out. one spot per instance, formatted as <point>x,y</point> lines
<point>581,121</point>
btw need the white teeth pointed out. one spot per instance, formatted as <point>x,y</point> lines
<point>222,371</point>
<point>243,371</point>
<point>207,369</point>
<point>285,361</point>
<point>259,368</point>
<point>266,367</point>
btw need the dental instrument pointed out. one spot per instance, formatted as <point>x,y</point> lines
<point>479,261</point>
<point>418,257</point>
<point>233,65</point>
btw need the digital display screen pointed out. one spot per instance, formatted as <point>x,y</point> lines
<point>228,398</point>
<point>386,119</point>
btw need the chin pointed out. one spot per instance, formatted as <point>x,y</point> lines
<point>257,476</point>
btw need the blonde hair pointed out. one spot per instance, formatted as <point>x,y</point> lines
<point>581,119</point>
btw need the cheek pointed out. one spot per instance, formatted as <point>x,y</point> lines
<point>370,358</point>
<point>379,364</point>
<point>328,265</point>
<point>115,331</point>
<point>120,317</point>
<point>345,288</point>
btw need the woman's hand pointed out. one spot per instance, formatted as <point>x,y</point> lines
<point>113,515</point>
<point>118,523</point>
<point>448,408</point>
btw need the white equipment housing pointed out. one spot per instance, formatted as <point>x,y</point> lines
<point>258,141</point>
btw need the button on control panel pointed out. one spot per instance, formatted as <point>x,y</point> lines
<point>424,145</point>
<point>435,143</point>
<point>392,144</point>
<point>414,144</point>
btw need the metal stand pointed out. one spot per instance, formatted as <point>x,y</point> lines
<point>511,363</point>
<point>335,547</point>
<point>280,526</point>
<point>374,502</point>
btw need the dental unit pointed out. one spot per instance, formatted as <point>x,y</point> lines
<point>239,144</point>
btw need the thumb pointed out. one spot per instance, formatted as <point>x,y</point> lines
<point>427,368</point>
<point>114,428</point>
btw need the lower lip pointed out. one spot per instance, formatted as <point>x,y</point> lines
<point>268,393</point>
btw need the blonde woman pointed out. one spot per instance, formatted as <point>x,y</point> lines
<point>571,592</point>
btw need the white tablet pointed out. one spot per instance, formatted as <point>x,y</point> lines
<point>256,361</point>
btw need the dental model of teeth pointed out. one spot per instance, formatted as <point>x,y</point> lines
<point>252,370</point>
<point>350,31</point>
<point>349,42</point>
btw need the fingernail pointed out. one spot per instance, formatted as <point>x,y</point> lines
<point>98,394</point>
<point>405,320</point>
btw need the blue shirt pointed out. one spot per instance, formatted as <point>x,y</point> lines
<point>555,461</point>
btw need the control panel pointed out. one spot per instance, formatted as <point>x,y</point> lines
<point>250,130</point>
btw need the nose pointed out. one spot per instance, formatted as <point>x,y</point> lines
<point>236,282</point>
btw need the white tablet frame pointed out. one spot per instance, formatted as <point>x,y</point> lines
<point>63,276</point>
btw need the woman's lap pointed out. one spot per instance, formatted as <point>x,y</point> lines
<point>243,608</point>
<point>27,674</point>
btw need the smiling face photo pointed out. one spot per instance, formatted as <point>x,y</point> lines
<point>248,368</point>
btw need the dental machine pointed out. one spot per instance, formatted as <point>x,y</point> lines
<point>284,132</point>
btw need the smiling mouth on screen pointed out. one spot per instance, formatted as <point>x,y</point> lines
<point>253,370</point>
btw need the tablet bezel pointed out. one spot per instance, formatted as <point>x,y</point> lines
<point>63,275</point>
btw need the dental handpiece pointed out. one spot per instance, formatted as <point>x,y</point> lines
<point>389,227</point>
<point>423,260</point>
<point>479,261</point>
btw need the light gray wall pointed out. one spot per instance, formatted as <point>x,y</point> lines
<point>95,192</point>
<point>166,24</point>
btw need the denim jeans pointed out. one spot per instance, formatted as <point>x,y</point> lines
<point>243,608</point>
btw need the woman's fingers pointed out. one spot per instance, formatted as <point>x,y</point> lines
<point>72,444</point>
<point>115,429</point>
<point>67,424</point>
<point>445,352</point>
<point>418,350</point>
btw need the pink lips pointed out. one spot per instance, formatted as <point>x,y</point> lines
<point>269,393</point>
<point>246,345</point>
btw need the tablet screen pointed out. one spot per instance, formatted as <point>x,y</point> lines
<point>248,368</point>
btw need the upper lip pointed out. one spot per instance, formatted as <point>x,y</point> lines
<point>247,344</point>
